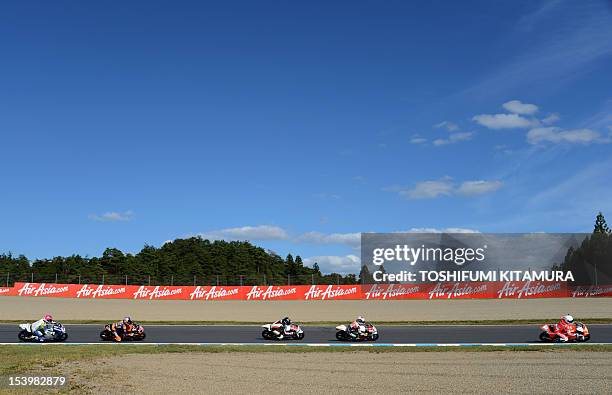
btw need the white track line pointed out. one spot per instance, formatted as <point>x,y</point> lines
<point>313,344</point>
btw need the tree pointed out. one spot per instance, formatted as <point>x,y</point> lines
<point>365,277</point>
<point>600,225</point>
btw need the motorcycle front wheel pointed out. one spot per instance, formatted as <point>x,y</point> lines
<point>299,336</point>
<point>375,337</point>
<point>267,335</point>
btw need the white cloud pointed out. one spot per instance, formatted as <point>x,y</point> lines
<point>113,216</point>
<point>518,107</point>
<point>336,264</point>
<point>350,239</point>
<point>472,188</point>
<point>454,138</point>
<point>446,187</point>
<point>418,140</point>
<point>444,230</point>
<point>503,121</point>
<point>450,126</point>
<point>552,118</point>
<point>429,189</point>
<point>259,232</point>
<point>557,135</point>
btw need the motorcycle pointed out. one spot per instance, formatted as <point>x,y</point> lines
<point>55,332</point>
<point>580,333</point>
<point>275,331</point>
<point>137,333</point>
<point>367,332</point>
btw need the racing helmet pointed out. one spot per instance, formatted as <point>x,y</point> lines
<point>360,320</point>
<point>568,319</point>
<point>48,318</point>
<point>127,320</point>
<point>286,321</point>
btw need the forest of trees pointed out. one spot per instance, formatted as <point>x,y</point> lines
<point>183,261</point>
<point>591,262</point>
<point>203,262</point>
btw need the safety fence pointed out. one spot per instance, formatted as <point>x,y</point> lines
<point>9,279</point>
<point>458,290</point>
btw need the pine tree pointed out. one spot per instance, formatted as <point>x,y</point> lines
<point>600,225</point>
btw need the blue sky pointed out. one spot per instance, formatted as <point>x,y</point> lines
<point>299,126</point>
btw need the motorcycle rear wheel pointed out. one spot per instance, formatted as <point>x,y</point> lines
<point>545,337</point>
<point>341,336</point>
<point>104,335</point>
<point>24,336</point>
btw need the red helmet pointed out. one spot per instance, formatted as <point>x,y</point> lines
<point>48,318</point>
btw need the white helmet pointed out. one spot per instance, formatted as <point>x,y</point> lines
<point>360,320</point>
<point>568,318</point>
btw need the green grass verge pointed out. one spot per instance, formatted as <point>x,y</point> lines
<point>21,359</point>
<point>334,323</point>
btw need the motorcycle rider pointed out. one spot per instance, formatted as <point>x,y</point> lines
<point>38,327</point>
<point>124,327</point>
<point>284,325</point>
<point>565,327</point>
<point>353,329</point>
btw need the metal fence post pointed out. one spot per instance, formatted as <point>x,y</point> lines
<point>172,280</point>
<point>241,280</point>
<point>288,279</point>
<point>126,279</point>
<point>32,277</point>
<point>149,280</point>
<point>312,275</point>
<point>103,279</point>
<point>56,278</point>
<point>79,279</point>
<point>264,281</point>
<point>7,278</point>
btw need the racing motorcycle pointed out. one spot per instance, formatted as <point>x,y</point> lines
<point>366,332</point>
<point>275,332</point>
<point>56,332</point>
<point>137,333</point>
<point>579,334</point>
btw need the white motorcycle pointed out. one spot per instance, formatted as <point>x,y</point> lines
<point>56,332</point>
<point>276,331</point>
<point>366,332</point>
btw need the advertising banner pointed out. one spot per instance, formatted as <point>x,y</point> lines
<point>432,291</point>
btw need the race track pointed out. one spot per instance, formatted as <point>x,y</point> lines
<point>81,333</point>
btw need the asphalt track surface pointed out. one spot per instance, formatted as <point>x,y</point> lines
<point>81,333</point>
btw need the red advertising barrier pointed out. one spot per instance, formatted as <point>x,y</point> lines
<point>457,290</point>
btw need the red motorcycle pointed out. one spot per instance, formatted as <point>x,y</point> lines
<point>136,334</point>
<point>578,333</point>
